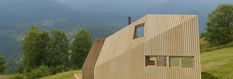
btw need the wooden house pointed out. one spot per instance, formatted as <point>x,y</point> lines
<point>157,46</point>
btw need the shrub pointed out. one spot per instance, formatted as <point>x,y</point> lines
<point>57,69</point>
<point>2,64</point>
<point>38,72</point>
<point>18,76</point>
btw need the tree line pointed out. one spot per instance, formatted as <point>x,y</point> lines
<point>52,52</point>
<point>219,30</point>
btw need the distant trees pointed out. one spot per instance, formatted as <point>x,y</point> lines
<point>35,48</point>
<point>52,51</point>
<point>220,25</point>
<point>2,64</point>
<point>59,49</point>
<point>80,48</point>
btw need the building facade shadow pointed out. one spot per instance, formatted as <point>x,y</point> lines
<point>205,75</point>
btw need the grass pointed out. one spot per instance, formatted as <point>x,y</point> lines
<point>217,64</point>
<point>64,75</point>
<point>6,76</point>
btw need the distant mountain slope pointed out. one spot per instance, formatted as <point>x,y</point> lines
<point>14,12</point>
<point>100,17</point>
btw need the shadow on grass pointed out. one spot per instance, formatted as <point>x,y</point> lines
<point>205,75</point>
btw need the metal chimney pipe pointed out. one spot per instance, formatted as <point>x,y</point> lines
<point>129,20</point>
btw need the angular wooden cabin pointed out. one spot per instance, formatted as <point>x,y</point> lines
<point>157,46</point>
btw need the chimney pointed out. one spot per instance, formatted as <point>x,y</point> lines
<point>129,20</point>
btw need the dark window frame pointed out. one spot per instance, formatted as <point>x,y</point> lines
<point>135,34</point>
<point>148,61</point>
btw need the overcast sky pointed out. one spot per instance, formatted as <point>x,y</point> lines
<point>107,5</point>
<point>115,4</point>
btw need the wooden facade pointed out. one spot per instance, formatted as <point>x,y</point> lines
<point>167,49</point>
<point>88,67</point>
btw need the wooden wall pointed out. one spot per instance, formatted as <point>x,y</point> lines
<point>123,57</point>
<point>88,67</point>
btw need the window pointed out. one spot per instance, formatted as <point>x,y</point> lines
<point>174,61</point>
<point>161,60</point>
<point>139,31</point>
<point>187,61</point>
<point>150,60</point>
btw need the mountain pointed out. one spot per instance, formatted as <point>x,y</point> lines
<point>100,17</point>
<point>17,16</point>
<point>138,8</point>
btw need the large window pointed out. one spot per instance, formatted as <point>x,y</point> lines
<point>181,61</point>
<point>174,61</point>
<point>139,31</point>
<point>187,61</point>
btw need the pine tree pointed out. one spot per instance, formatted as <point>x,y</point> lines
<point>80,48</point>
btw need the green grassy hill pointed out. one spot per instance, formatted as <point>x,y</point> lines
<point>64,75</point>
<point>217,64</point>
<point>7,76</point>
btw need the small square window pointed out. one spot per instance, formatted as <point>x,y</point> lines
<point>174,61</point>
<point>187,61</point>
<point>161,60</point>
<point>139,31</point>
<point>150,60</point>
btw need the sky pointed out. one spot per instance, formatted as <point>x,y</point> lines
<point>109,4</point>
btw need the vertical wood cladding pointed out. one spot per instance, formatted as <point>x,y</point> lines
<point>123,57</point>
<point>88,67</point>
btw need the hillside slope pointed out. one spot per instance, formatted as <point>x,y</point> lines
<point>64,75</point>
<point>217,64</point>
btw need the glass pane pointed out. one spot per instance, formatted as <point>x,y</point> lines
<point>161,61</point>
<point>187,61</point>
<point>139,31</point>
<point>150,60</point>
<point>174,61</point>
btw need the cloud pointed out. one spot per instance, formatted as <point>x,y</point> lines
<point>107,5</point>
